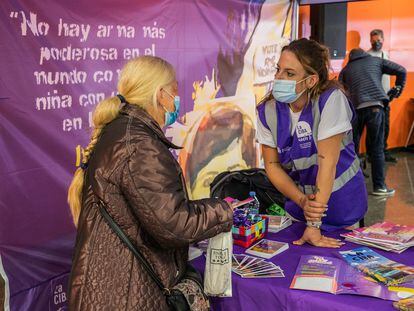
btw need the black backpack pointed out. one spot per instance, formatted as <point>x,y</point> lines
<point>238,184</point>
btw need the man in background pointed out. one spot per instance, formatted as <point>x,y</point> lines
<point>377,41</point>
<point>362,79</point>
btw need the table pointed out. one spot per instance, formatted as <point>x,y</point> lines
<point>274,293</point>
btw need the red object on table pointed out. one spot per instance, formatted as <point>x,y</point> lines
<point>247,236</point>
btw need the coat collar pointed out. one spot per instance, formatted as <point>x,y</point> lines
<point>140,114</point>
<point>357,54</point>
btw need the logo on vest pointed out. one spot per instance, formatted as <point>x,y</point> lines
<point>303,129</point>
<point>283,150</point>
<point>304,134</point>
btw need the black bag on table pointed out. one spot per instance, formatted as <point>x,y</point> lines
<point>238,184</point>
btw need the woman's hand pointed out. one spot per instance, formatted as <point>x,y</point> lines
<point>314,237</point>
<point>231,204</point>
<point>312,210</point>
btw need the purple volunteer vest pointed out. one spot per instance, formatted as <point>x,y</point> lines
<point>298,156</point>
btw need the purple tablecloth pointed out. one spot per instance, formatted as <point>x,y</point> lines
<point>274,293</point>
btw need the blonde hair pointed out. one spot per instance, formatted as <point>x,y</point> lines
<point>140,81</point>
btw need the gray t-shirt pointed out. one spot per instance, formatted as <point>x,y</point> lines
<point>386,80</point>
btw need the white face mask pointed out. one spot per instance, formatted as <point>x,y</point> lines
<point>285,90</point>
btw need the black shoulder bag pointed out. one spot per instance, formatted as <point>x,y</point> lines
<point>176,300</point>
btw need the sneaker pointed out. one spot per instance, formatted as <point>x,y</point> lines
<point>390,158</point>
<point>383,192</point>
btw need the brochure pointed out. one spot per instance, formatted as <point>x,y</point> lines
<point>382,269</point>
<point>267,248</point>
<point>389,232</point>
<point>332,275</point>
<point>386,236</point>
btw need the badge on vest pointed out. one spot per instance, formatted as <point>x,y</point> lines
<point>304,134</point>
<point>303,129</point>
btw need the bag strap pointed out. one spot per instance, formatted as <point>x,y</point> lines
<point>118,231</point>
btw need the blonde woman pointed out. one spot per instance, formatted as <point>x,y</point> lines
<point>128,169</point>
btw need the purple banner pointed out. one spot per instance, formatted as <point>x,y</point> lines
<point>60,58</point>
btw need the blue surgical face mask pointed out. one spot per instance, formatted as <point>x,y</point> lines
<point>171,117</point>
<point>285,90</point>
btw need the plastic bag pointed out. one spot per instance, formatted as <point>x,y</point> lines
<point>217,278</point>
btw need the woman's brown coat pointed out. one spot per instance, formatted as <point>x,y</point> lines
<point>133,172</point>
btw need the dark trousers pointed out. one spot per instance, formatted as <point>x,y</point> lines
<point>386,129</point>
<point>373,119</point>
<point>386,125</point>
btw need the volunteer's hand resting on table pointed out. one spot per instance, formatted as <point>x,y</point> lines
<point>314,237</point>
<point>314,211</point>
